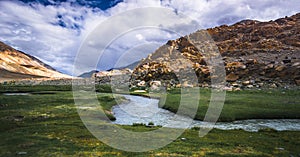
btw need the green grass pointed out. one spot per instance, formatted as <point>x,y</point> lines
<point>247,104</point>
<point>48,125</point>
<point>38,88</point>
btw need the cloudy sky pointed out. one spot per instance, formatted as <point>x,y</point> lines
<point>56,31</point>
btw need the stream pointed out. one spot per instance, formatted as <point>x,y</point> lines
<point>145,110</point>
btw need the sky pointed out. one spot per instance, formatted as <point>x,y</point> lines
<point>55,31</point>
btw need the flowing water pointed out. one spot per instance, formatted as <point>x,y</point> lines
<point>16,93</point>
<point>145,110</point>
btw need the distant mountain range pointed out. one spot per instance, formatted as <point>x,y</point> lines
<point>15,64</point>
<point>90,73</point>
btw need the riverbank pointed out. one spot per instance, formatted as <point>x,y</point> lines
<point>239,105</point>
<point>48,125</point>
<point>242,105</point>
<point>145,111</point>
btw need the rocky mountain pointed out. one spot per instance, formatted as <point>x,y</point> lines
<point>15,64</point>
<point>255,54</point>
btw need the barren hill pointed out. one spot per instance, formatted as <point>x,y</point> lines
<point>15,64</point>
<point>255,54</point>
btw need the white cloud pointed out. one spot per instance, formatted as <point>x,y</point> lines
<point>54,33</point>
<point>139,36</point>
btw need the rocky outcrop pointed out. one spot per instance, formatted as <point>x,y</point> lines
<point>114,77</point>
<point>15,64</point>
<point>255,54</point>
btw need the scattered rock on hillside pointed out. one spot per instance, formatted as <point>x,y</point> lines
<point>255,54</point>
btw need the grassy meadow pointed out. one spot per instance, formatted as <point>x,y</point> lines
<point>46,123</point>
<point>246,104</point>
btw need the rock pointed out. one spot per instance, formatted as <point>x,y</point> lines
<point>178,85</point>
<point>187,85</point>
<point>228,88</point>
<point>280,148</point>
<point>273,85</point>
<point>146,66</point>
<point>232,77</point>
<point>245,83</point>
<point>235,65</point>
<point>139,91</point>
<point>285,61</point>
<point>243,67</point>
<point>21,153</point>
<point>18,118</point>
<point>280,68</point>
<point>250,86</point>
<point>260,84</point>
<point>297,81</point>
<point>155,85</point>
<point>142,84</point>
<point>251,61</point>
<point>257,80</point>
<point>269,66</point>
<point>296,64</point>
<point>235,84</point>
<point>237,89</point>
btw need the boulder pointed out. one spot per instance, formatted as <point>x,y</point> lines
<point>296,64</point>
<point>273,85</point>
<point>297,81</point>
<point>245,83</point>
<point>142,84</point>
<point>155,85</point>
<point>232,77</point>
<point>235,84</point>
<point>237,89</point>
<point>139,91</point>
<point>285,61</point>
<point>280,68</point>
<point>187,85</point>
<point>250,86</point>
<point>228,88</point>
<point>251,61</point>
<point>269,66</point>
<point>178,85</point>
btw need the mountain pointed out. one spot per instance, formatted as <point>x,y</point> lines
<point>15,64</point>
<point>255,54</point>
<point>88,74</point>
<point>129,66</point>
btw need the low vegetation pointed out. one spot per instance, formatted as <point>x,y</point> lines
<point>47,124</point>
<point>246,104</point>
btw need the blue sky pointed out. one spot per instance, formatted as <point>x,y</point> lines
<point>53,30</point>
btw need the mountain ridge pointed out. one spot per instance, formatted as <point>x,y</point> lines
<point>19,65</point>
<point>255,54</point>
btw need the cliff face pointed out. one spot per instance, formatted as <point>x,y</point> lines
<point>18,65</point>
<point>255,54</point>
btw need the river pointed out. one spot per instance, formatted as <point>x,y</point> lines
<point>145,110</point>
